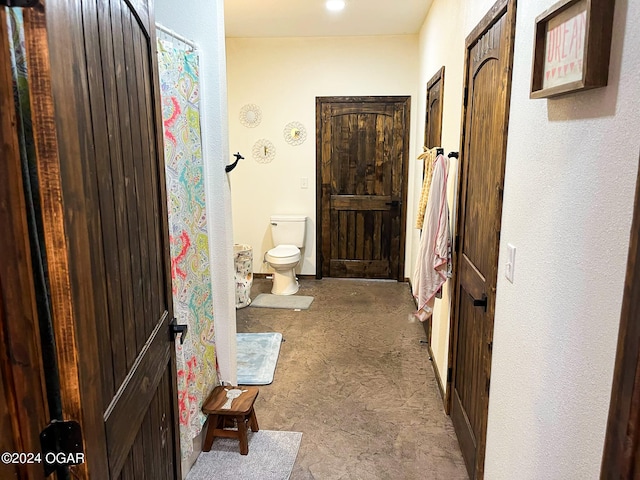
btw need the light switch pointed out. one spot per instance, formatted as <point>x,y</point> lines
<point>304,182</point>
<point>511,262</point>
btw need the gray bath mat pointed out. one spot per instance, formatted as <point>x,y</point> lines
<point>257,357</point>
<point>291,302</point>
<point>271,457</point>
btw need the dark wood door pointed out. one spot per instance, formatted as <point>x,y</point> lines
<point>92,73</point>
<point>489,57</point>
<point>23,403</point>
<point>363,148</point>
<point>433,120</point>
<point>433,138</point>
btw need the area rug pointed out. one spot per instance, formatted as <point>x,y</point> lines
<point>271,457</point>
<point>257,357</point>
<point>291,302</point>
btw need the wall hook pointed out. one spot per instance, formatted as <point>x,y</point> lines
<point>230,167</point>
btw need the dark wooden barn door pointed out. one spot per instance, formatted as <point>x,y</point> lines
<point>433,138</point>
<point>433,119</point>
<point>363,149</point>
<point>23,402</point>
<point>489,57</point>
<point>92,70</point>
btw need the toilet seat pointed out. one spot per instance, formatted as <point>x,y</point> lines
<point>283,254</point>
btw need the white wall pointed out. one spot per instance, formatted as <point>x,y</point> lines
<point>202,21</point>
<point>570,179</point>
<point>568,200</point>
<point>284,76</point>
<point>442,43</point>
<point>436,44</point>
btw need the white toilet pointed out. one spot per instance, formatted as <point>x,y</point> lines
<point>287,232</point>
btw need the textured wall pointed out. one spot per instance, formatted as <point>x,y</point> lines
<point>568,199</point>
<point>442,43</point>
<point>570,179</point>
<point>283,76</point>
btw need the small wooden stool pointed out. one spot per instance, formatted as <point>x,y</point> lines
<point>241,409</point>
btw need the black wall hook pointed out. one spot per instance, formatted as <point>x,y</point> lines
<point>230,167</point>
<point>453,155</point>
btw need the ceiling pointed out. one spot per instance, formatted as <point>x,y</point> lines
<point>310,18</point>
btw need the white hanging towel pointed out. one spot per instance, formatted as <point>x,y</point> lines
<point>434,254</point>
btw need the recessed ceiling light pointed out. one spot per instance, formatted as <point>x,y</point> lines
<point>335,5</point>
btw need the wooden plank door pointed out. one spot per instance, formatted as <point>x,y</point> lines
<point>362,154</point>
<point>433,119</point>
<point>489,58</point>
<point>23,402</point>
<point>96,117</point>
<point>433,138</point>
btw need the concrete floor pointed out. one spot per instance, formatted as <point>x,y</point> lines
<point>353,378</point>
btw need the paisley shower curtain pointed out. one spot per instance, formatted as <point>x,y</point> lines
<point>191,277</point>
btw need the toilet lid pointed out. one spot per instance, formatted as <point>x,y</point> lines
<point>282,251</point>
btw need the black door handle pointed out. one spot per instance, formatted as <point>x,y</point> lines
<point>394,204</point>
<point>480,302</point>
<point>176,328</point>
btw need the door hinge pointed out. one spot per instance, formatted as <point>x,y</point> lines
<point>488,385</point>
<point>456,244</point>
<point>449,374</point>
<point>466,96</point>
<point>61,445</point>
<point>18,3</point>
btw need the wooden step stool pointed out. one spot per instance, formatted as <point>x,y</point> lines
<point>241,410</point>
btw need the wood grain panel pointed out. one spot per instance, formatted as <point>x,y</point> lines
<point>126,412</point>
<point>434,110</point>
<point>23,406</point>
<point>149,163</point>
<point>131,283</point>
<point>51,149</point>
<point>105,188</point>
<point>359,268</point>
<point>360,202</point>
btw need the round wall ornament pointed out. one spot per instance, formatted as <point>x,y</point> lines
<point>264,151</point>
<point>250,115</point>
<point>295,133</point>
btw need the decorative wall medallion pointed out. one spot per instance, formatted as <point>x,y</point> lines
<point>250,115</point>
<point>295,133</point>
<point>264,151</point>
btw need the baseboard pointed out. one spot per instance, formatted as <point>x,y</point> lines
<point>433,359</point>
<point>302,277</point>
<point>189,462</point>
<point>437,373</point>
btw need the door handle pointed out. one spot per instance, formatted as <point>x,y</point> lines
<point>482,302</point>
<point>394,204</point>
<point>176,328</point>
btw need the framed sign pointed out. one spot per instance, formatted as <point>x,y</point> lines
<point>572,47</point>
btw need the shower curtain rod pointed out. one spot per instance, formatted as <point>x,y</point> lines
<point>175,35</point>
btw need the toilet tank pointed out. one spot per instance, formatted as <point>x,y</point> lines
<point>288,229</point>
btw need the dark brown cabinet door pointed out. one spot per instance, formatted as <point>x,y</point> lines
<point>363,145</point>
<point>489,59</point>
<point>97,130</point>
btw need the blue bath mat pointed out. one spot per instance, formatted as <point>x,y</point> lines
<point>257,357</point>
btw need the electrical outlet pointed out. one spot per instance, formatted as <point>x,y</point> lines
<point>304,182</point>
